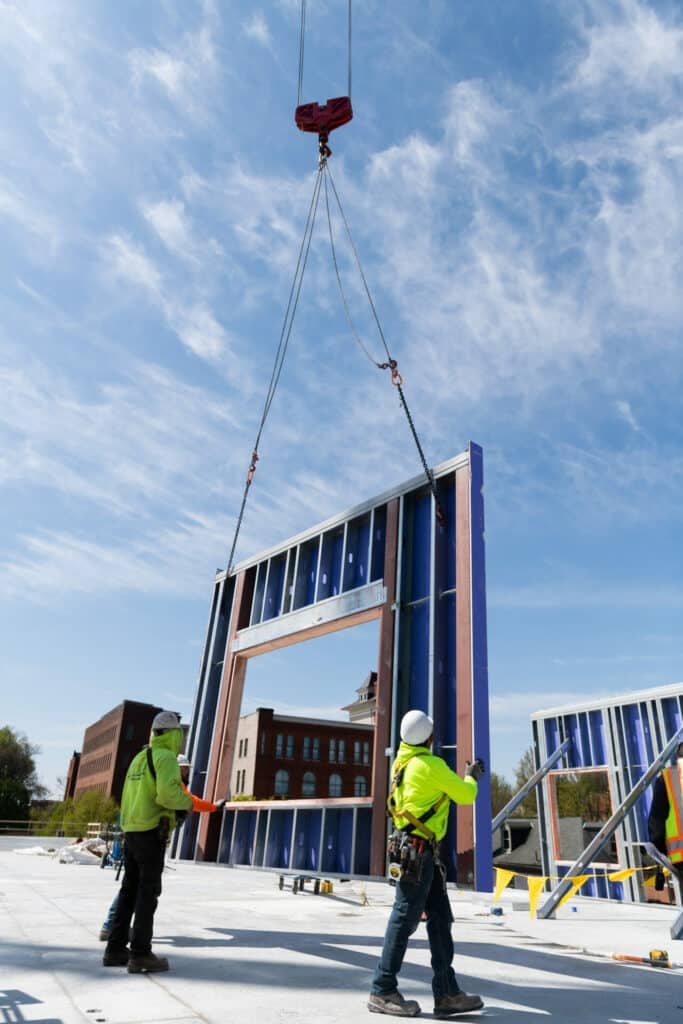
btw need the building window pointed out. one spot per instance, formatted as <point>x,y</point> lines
<point>246,741</point>
<point>307,747</point>
<point>335,785</point>
<point>356,752</point>
<point>308,787</point>
<point>130,732</point>
<point>263,743</point>
<point>279,744</point>
<point>316,748</point>
<point>360,786</point>
<point>333,750</point>
<point>366,752</point>
<point>239,752</point>
<point>281,783</point>
<point>341,754</point>
<point>290,747</point>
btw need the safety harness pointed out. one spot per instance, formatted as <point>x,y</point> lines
<point>414,823</point>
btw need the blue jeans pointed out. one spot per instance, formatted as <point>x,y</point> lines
<point>111,914</point>
<point>429,894</point>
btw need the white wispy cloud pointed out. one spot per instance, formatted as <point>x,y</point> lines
<point>256,28</point>
<point>626,412</point>
<point>194,324</point>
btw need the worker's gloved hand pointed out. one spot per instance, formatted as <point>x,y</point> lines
<point>475,769</point>
<point>659,880</point>
<point>220,804</point>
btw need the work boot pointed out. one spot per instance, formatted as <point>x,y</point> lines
<point>115,957</point>
<point>393,1003</point>
<point>146,963</point>
<point>460,1002</point>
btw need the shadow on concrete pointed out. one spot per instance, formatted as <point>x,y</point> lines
<point>11,1002</point>
<point>604,991</point>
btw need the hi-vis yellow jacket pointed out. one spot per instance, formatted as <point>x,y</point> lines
<point>427,779</point>
<point>145,799</point>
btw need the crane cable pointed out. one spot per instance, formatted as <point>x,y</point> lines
<point>391,363</point>
<point>302,41</point>
<point>281,351</point>
<point>295,291</point>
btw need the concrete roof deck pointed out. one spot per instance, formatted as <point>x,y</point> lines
<point>240,949</point>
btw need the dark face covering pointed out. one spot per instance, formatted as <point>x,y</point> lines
<point>185,775</point>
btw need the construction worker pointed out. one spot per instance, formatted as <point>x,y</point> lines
<point>422,787</point>
<point>152,793</point>
<point>665,821</point>
<point>198,805</point>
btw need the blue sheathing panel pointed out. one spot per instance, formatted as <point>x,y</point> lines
<point>378,543</point>
<point>243,837</point>
<point>276,577</point>
<point>444,628</point>
<point>671,709</point>
<point>226,836</point>
<point>597,731</point>
<point>260,843</point>
<point>552,734</point>
<point>307,840</point>
<point>362,853</point>
<point>329,577</point>
<point>304,585</point>
<point>483,851</point>
<point>357,549</point>
<point>571,729</point>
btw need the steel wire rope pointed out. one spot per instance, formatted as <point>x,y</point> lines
<point>302,38</point>
<point>391,362</point>
<point>281,351</point>
<point>302,42</point>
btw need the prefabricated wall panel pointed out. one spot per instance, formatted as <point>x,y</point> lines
<point>388,559</point>
<point>623,735</point>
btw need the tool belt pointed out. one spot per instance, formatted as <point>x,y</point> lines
<point>406,854</point>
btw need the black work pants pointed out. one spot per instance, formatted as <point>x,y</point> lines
<point>143,864</point>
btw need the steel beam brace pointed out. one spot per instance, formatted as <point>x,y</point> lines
<point>529,785</point>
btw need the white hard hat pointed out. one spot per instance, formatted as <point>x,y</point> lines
<point>184,761</point>
<point>416,728</point>
<point>165,720</point>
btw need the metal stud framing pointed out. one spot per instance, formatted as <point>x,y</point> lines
<point>389,560</point>
<point>624,735</point>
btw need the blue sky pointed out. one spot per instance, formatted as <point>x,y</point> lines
<point>513,176</point>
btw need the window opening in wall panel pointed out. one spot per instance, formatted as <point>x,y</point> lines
<point>315,701</point>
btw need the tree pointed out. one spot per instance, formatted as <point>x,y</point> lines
<point>18,776</point>
<point>72,817</point>
<point>501,793</point>
<point>523,772</point>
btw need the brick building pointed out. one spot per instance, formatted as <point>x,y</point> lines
<point>72,775</point>
<point>289,757</point>
<point>109,745</point>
